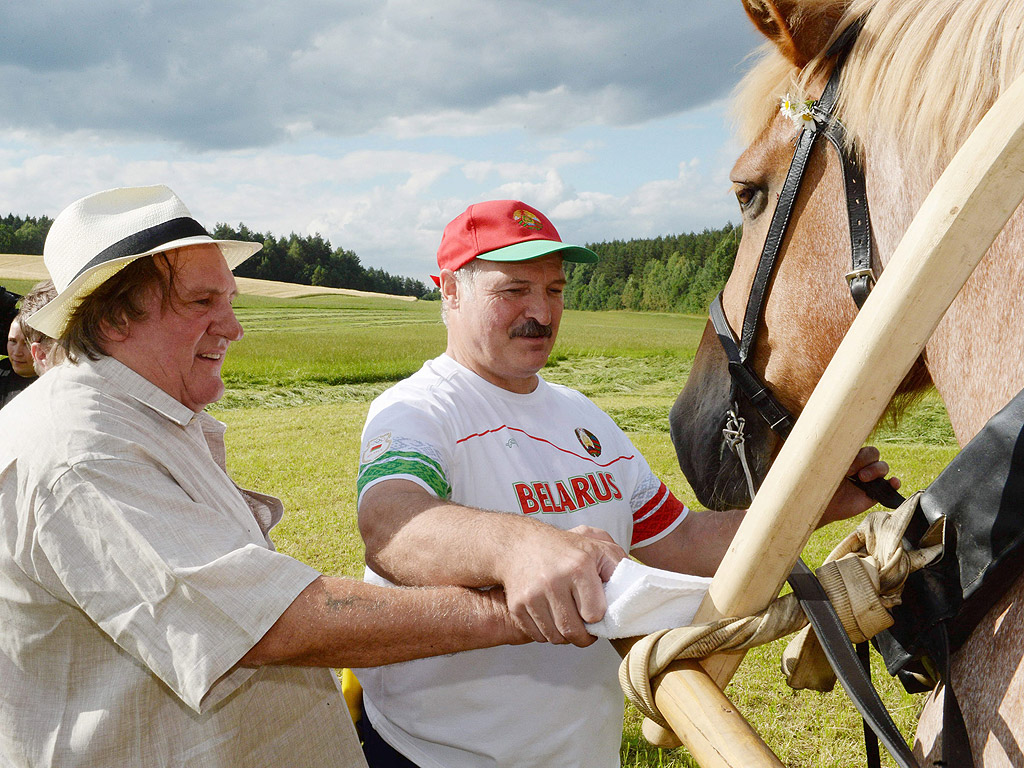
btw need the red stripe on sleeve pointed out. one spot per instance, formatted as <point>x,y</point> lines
<point>652,504</point>
<point>656,516</point>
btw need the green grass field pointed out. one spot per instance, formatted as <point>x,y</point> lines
<point>299,385</point>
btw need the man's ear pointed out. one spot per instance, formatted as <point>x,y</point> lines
<point>449,288</point>
<point>115,331</point>
<point>38,353</point>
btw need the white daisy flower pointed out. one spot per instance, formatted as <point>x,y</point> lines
<point>799,112</point>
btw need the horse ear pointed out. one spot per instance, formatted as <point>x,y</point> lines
<point>800,30</point>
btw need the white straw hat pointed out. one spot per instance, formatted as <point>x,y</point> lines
<point>94,238</point>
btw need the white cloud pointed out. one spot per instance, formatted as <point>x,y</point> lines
<point>376,123</point>
<point>229,75</point>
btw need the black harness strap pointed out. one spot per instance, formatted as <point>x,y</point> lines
<point>776,233</point>
<point>956,743</point>
<point>746,380</point>
<point>850,670</point>
<point>870,739</point>
<point>860,277</point>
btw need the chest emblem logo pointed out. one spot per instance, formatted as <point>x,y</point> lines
<point>589,441</point>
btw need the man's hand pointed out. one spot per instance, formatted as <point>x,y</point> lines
<point>554,580</point>
<point>849,500</point>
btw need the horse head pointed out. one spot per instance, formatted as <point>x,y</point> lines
<point>914,83</point>
<point>792,347</point>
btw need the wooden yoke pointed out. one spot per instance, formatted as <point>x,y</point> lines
<point>963,214</point>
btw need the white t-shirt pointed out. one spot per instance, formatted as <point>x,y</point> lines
<point>551,454</point>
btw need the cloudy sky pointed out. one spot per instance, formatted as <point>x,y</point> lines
<point>375,123</point>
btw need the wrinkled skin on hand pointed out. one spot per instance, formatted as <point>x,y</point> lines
<point>554,582</point>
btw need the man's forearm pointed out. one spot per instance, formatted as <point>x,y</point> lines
<point>415,539</point>
<point>344,623</point>
<point>552,578</point>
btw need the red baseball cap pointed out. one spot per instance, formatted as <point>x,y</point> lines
<point>503,230</point>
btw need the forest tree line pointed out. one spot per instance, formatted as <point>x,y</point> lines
<point>675,273</point>
<point>23,234</point>
<point>311,260</point>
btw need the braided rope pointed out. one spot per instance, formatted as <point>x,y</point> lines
<point>863,576</point>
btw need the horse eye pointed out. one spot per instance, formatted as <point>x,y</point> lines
<point>750,198</point>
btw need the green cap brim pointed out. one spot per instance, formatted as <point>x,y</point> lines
<point>532,249</point>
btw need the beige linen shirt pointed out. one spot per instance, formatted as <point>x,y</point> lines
<point>134,574</point>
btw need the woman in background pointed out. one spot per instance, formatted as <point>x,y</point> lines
<point>17,371</point>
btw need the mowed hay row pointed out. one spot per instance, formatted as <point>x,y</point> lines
<point>278,290</point>
<point>16,266</point>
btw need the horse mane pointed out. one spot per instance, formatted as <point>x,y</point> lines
<point>907,76</point>
<point>919,77</point>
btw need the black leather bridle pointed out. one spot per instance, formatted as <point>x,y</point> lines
<point>850,671</point>
<point>860,276</point>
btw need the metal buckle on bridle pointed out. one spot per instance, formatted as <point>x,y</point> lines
<point>734,436</point>
<point>856,274</point>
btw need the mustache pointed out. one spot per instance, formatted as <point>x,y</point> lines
<point>531,329</point>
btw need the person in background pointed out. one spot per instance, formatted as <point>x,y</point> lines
<point>147,619</point>
<point>16,371</point>
<point>46,353</point>
<point>8,311</point>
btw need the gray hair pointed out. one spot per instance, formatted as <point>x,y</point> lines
<point>465,278</point>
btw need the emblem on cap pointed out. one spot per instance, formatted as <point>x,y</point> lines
<point>589,441</point>
<point>527,219</point>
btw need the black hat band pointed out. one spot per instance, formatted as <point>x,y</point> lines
<point>146,240</point>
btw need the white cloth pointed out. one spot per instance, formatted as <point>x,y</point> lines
<point>133,576</point>
<point>550,454</point>
<point>642,599</point>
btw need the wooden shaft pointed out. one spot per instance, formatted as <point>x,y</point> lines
<point>715,733</point>
<point>970,204</point>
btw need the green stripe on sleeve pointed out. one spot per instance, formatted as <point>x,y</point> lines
<point>395,463</point>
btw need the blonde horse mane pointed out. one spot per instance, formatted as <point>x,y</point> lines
<point>922,71</point>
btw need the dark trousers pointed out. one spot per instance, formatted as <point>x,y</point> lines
<point>378,753</point>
